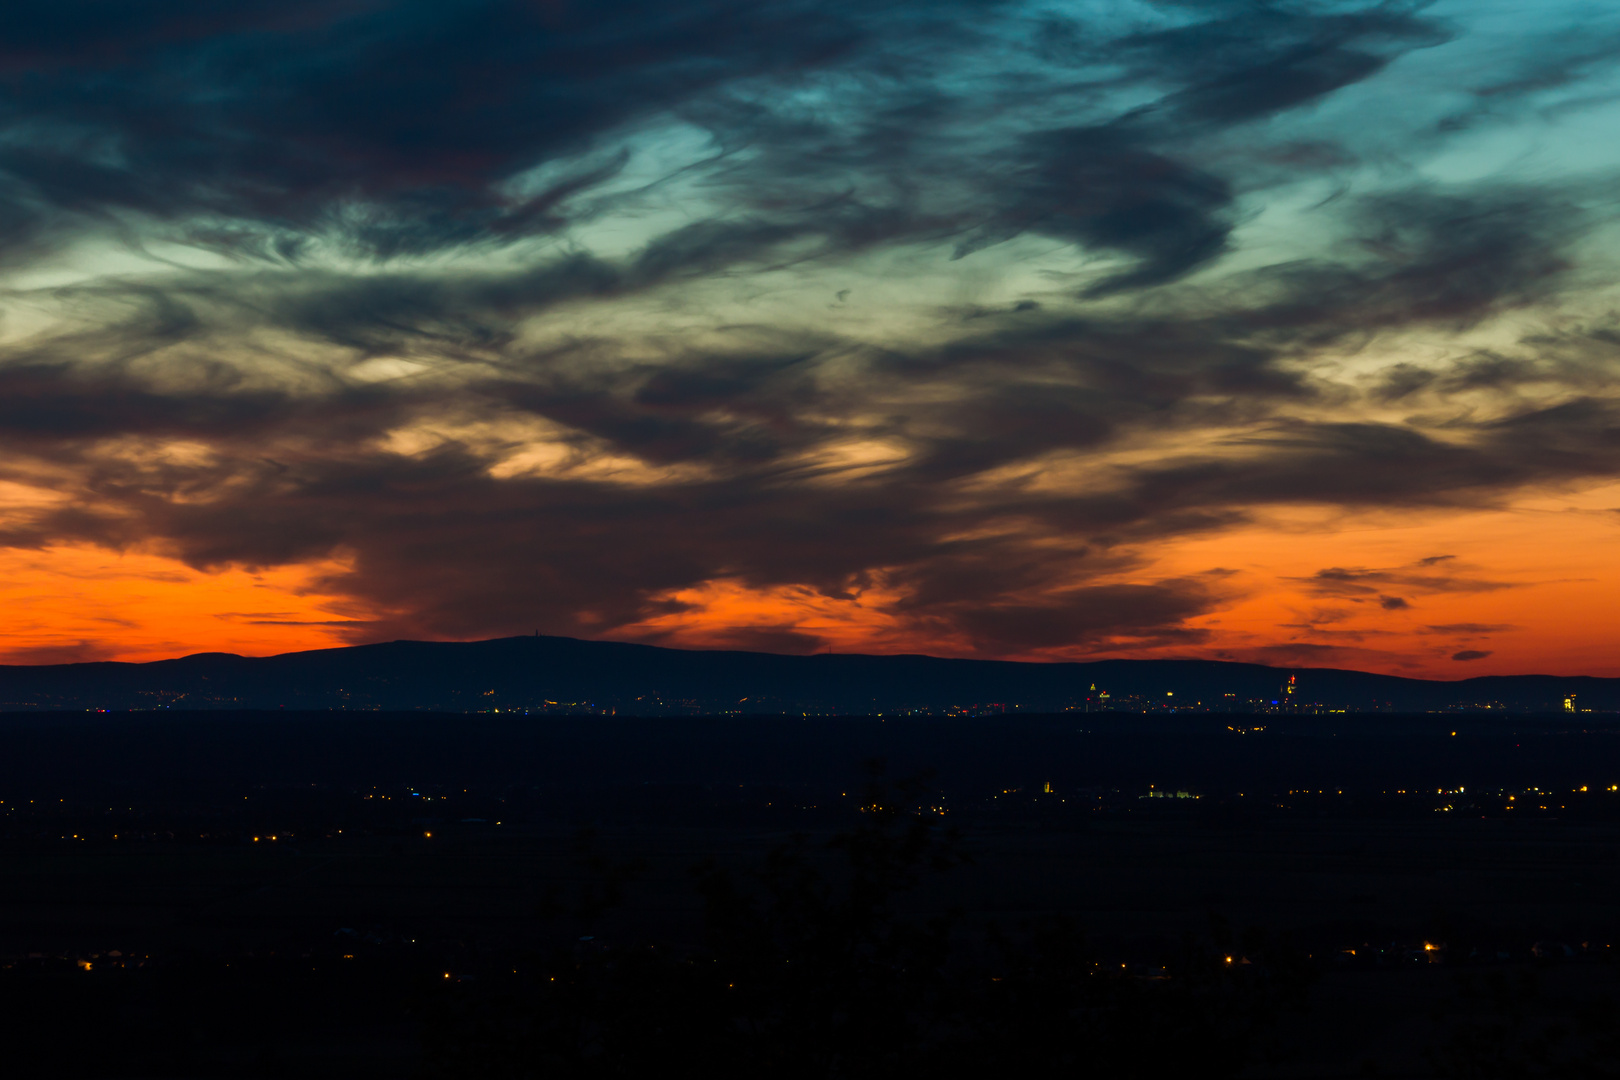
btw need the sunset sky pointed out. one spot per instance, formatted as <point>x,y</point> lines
<point>1285,332</point>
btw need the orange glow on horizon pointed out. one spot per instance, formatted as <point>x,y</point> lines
<point>726,614</point>
<point>76,602</point>
<point>1522,589</point>
<point>1531,586</point>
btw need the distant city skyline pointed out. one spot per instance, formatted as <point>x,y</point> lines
<point>1282,333</point>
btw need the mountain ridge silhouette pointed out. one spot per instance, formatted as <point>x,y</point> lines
<point>574,675</point>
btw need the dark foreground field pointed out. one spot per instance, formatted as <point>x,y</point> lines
<point>371,895</point>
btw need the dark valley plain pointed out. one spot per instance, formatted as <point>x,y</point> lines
<point>373,894</point>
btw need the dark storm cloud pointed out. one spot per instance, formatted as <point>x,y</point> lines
<point>396,129</point>
<point>280,114</point>
<point>1138,614</point>
<point>442,543</point>
<point>456,552</point>
<point>1417,260</point>
<point>459,314</point>
<point>80,652</point>
<point>393,125</point>
<point>1459,256</point>
<point>1367,464</point>
<point>58,410</point>
<point>1471,654</point>
<point>1354,583</point>
<point>1249,60</point>
<point>1103,188</point>
<point>1117,186</point>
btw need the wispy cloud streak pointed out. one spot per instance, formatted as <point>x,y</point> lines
<point>536,315</point>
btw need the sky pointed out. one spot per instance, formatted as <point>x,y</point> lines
<point>1281,332</point>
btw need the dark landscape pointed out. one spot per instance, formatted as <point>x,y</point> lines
<point>809,540</point>
<point>569,676</point>
<point>348,893</point>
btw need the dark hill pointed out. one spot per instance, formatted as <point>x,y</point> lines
<point>555,674</point>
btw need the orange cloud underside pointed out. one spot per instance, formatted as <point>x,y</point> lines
<point>70,603</point>
<point>1535,586</point>
<point>723,614</point>
<point>1538,588</point>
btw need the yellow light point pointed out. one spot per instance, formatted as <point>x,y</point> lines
<point>427,834</point>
